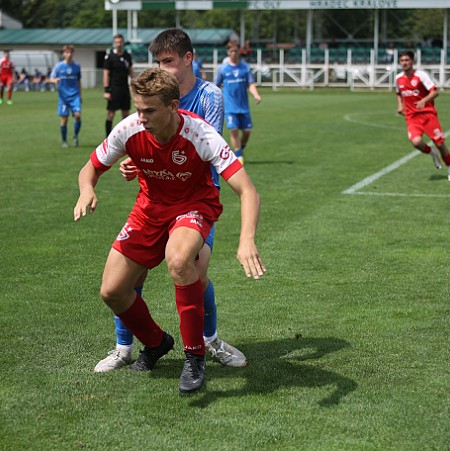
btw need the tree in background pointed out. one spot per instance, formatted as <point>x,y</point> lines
<point>410,26</point>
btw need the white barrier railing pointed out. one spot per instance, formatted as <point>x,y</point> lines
<point>304,74</point>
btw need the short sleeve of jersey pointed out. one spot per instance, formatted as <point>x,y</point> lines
<point>425,79</point>
<point>55,71</point>
<point>106,63</point>
<point>250,77</point>
<point>219,77</point>
<point>210,146</point>
<point>214,108</point>
<point>113,148</point>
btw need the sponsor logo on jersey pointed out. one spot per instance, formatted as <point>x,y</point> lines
<point>124,233</point>
<point>225,153</point>
<point>178,157</point>
<point>164,174</point>
<point>410,93</point>
<point>147,160</point>
<point>183,176</point>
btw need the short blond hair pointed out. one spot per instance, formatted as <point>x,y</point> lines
<point>156,82</point>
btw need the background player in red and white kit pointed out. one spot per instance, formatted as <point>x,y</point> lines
<point>7,72</point>
<point>176,206</point>
<point>415,100</point>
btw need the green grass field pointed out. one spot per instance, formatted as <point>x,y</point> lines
<point>347,335</point>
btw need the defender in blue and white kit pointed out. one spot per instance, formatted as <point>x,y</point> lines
<point>235,77</point>
<point>67,74</point>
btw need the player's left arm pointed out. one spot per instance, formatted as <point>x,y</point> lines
<point>254,92</point>
<point>428,98</point>
<point>247,253</point>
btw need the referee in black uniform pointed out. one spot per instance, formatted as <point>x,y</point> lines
<point>117,68</point>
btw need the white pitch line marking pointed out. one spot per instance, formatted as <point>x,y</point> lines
<point>377,175</point>
<point>349,118</point>
<point>401,194</point>
<point>368,180</point>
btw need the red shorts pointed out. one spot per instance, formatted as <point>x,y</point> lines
<point>427,123</point>
<point>144,237</point>
<point>6,80</point>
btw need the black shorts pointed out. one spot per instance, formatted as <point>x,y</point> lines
<point>120,99</point>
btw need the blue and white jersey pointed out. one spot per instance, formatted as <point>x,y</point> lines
<point>69,75</point>
<point>206,100</point>
<point>235,81</point>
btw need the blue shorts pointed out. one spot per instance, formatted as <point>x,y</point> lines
<point>210,238</point>
<point>241,121</point>
<point>65,106</point>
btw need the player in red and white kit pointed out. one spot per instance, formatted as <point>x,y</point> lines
<point>415,100</point>
<point>7,72</point>
<point>174,211</point>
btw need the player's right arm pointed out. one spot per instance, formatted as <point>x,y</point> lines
<point>87,201</point>
<point>400,105</point>
<point>107,88</point>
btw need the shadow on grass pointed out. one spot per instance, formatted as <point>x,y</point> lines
<point>437,177</point>
<point>280,364</point>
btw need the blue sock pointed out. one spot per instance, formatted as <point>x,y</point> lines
<point>209,299</point>
<point>238,152</point>
<point>76,128</point>
<point>64,132</point>
<point>124,335</point>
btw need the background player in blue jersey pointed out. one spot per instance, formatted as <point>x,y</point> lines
<point>197,67</point>
<point>235,76</point>
<point>173,51</point>
<point>67,75</point>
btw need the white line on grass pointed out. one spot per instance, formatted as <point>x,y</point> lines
<point>401,194</point>
<point>368,180</point>
<point>349,118</point>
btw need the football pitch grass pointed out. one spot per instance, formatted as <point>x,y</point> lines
<point>347,335</point>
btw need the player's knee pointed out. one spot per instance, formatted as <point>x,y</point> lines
<point>179,267</point>
<point>111,295</point>
<point>417,141</point>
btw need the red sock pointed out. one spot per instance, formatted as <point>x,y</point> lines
<point>139,321</point>
<point>190,307</point>
<point>427,149</point>
<point>447,160</point>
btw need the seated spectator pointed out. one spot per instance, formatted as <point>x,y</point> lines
<point>24,80</point>
<point>37,80</point>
